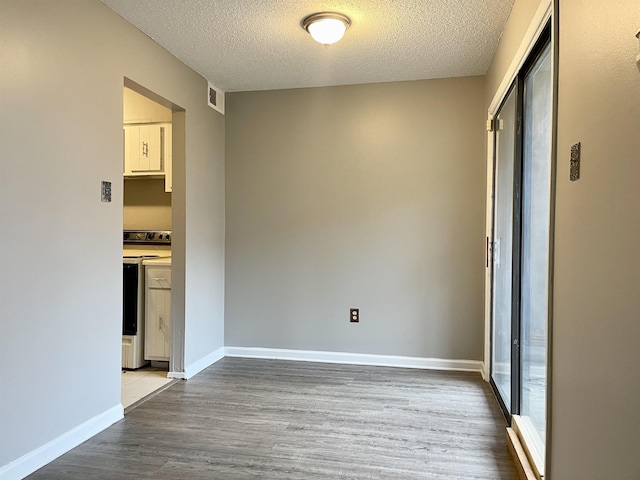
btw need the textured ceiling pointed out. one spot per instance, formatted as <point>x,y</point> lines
<point>242,45</point>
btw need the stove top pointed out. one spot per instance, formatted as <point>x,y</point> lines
<point>146,243</point>
<point>146,237</point>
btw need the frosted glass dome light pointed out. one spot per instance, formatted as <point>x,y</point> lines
<point>326,27</point>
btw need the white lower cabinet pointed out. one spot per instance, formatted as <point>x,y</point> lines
<point>158,313</point>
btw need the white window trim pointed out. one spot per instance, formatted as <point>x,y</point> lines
<point>531,442</point>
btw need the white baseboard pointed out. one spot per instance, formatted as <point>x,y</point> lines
<point>48,452</point>
<point>39,457</point>
<point>356,359</point>
<point>197,367</point>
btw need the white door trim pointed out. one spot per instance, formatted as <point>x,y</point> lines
<point>538,22</point>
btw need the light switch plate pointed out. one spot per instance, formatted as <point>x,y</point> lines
<point>106,191</point>
<point>574,169</point>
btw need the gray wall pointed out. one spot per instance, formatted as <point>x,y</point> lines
<point>204,194</point>
<point>368,196</point>
<point>596,333</point>
<point>520,18</point>
<point>63,65</point>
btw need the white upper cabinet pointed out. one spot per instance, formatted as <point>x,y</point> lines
<point>148,152</point>
<point>144,152</point>
<point>147,138</point>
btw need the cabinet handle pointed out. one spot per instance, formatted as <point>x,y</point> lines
<point>145,149</point>
<point>159,279</point>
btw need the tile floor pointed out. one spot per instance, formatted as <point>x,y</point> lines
<point>137,384</point>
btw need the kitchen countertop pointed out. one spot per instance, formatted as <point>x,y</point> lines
<point>150,251</point>
<point>162,261</point>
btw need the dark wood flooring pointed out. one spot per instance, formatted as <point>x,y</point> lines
<point>269,419</point>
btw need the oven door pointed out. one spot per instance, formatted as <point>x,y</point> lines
<point>130,280</point>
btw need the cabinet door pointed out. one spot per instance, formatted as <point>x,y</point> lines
<point>131,149</point>
<point>158,313</point>
<point>167,157</point>
<point>158,331</point>
<point>143,149</point>
<point>150,149</point>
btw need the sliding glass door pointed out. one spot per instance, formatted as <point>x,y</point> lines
<point>505,136</point>
<point>534,279</point>
<point>521,243</point>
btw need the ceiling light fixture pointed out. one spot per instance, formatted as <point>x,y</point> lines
<point>326,27</point>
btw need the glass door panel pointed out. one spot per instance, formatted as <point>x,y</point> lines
<point>505,154</point>
<point>536,193</point>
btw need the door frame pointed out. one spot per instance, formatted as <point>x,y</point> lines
<point>545,14</point>
<point>516,88</point>
<point>176,357</point>
<point>543,44</point>
<point>536,27</point>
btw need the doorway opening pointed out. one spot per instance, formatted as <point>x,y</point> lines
<point>153,312</point>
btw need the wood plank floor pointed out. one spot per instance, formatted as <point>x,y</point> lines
<point>269,419</point>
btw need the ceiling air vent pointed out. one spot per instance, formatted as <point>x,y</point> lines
<point>215,98</point>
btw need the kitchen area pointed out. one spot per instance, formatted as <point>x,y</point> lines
<point>146,310</point>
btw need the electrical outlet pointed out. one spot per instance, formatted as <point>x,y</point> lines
<point>354,315</point>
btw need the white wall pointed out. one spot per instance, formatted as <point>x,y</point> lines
<point>368,196</point>
<point>596,333</point>
<point>63,65</point>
